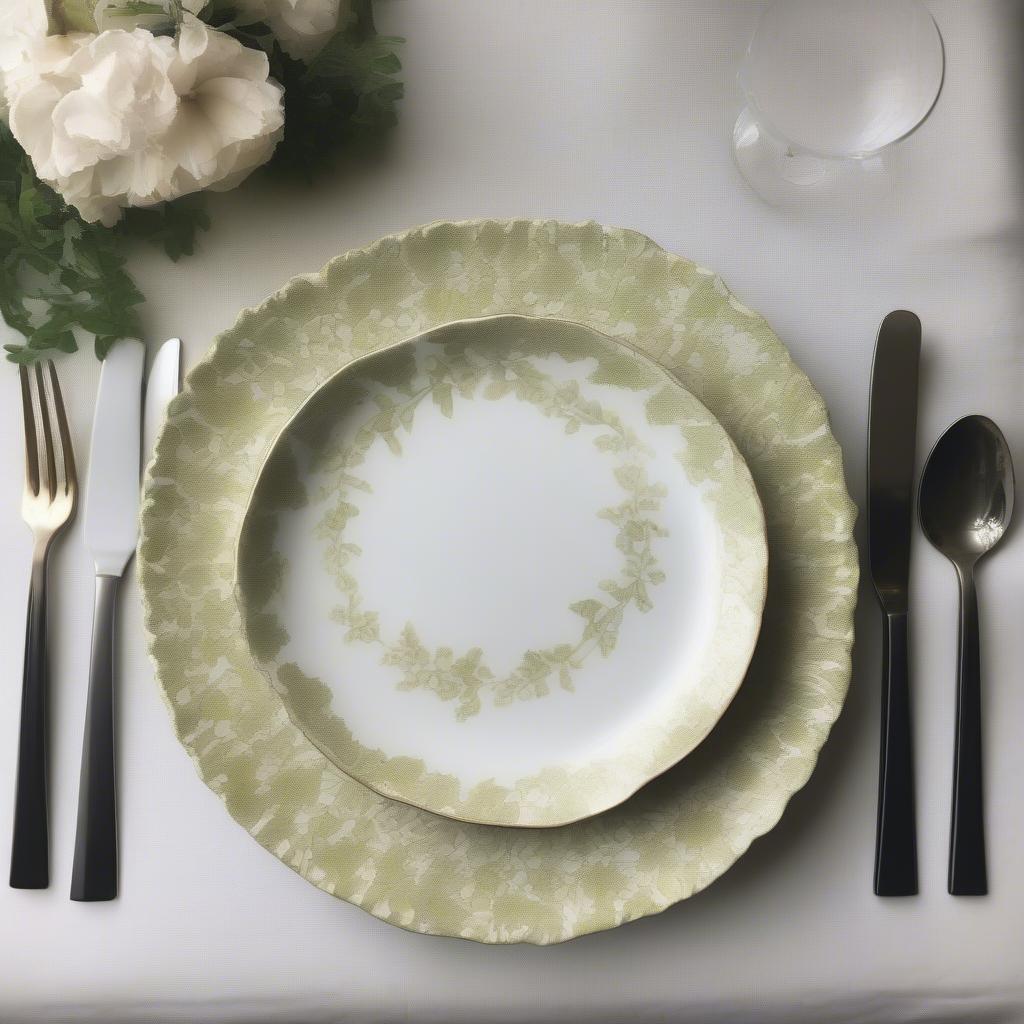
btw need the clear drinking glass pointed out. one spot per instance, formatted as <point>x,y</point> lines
<point>825,87</point>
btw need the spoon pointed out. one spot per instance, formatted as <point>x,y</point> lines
<point>965,503</point>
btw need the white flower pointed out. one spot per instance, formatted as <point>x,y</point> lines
<point>22,24</point>
<point>301,26</point>
<point>131,119</point>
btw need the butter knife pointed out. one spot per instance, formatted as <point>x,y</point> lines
<point>892,432</point>
<point>111,533</point>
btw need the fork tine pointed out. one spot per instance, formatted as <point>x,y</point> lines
<point>51,465</point>
<point>67,452</point>
<point>31,442</point>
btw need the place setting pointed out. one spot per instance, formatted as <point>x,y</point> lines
<point>494,571</point>
<point>499,577</point>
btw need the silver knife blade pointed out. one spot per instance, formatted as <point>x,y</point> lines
<point>112,493</point>
<point>892,441</point>
<point>162,385</point>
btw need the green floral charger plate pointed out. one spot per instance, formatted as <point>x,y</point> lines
<point>404,865</point>
<point>507,571</point>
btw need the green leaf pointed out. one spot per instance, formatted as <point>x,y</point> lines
<point>172,227</point>
<point>20,354</point>
<point>346,93</point>
<point>104,344</point>
<point>50,257</point>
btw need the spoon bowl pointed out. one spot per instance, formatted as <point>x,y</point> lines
<point>966,501</point>
<point>966,495</point>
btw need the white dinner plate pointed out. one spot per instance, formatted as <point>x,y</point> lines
<point>507,571</point>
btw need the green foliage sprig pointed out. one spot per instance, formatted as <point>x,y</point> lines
<point>61,278</point>
<point>346,91</point>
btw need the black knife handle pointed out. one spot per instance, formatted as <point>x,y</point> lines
<point>30,857</point>
<point>94,874</point>
<point>896,835</point>
<point>967,875</point>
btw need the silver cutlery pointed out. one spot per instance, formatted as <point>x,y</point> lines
<point>48,505</point>
<point>965,505</point>
<point>892,432</point>
<point>111,533</point>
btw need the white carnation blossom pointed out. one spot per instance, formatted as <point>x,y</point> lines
<point>126,118</point>
<point>23,24</point>
<point>301,26</point>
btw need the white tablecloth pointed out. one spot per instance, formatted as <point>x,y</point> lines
<point>614,110</point>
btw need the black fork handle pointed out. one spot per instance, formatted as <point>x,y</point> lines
<point>30,847</point>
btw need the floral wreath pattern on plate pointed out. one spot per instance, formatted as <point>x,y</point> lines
<point>557,792</point>
<point>465,678</point>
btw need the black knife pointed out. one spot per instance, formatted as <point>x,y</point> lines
<point>892,432</point>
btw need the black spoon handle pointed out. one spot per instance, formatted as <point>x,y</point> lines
<point>896,833</point>
<point>94,874</point>
<point>30,848</point>
<point>967,875</point>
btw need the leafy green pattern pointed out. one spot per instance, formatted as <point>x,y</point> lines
<point>406,866</point>
<point>563,789</point>
<point>464,679</point>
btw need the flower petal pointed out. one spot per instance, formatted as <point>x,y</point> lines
<point>241,109</point>
<point>130,119</point>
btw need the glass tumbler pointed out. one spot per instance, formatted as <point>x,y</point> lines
<point>825,87</point>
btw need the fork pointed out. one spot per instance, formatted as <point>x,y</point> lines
<point>48,505</point>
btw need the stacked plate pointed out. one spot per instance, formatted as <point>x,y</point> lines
<point>455,560</point>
